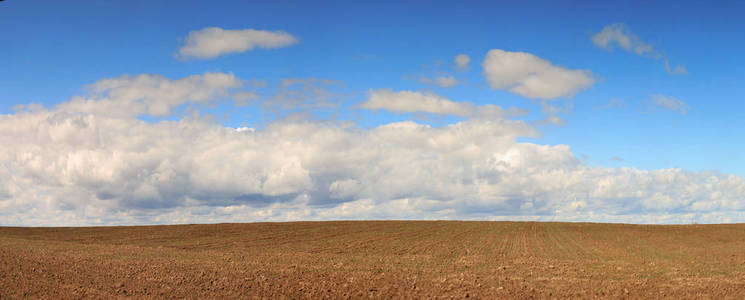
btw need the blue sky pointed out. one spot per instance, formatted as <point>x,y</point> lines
<point>67,45</point>
<point>52,50</point>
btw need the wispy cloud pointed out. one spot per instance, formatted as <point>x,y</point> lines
<point>613,103</point>
<point>461,62</point>
<point>670,103</point>
<point>619,34</point>
<point>441,81</point>
<point>306,93</point>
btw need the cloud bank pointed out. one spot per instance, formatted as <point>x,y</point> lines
<point>212,42</point>
<point>70,166</point>
<point>532,77</point>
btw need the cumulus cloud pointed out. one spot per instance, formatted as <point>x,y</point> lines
<point>149,94</point>
<point>531,76</point>
<point>619,34</point>
<point>442,81</point>
<point>411,102</point>
<point>212,42</point>
<point>461,62</point>
<point>75,168</point>
<point>670,103</point>
<point>72,169</point>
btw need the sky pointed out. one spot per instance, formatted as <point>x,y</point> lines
<point>156,112</point>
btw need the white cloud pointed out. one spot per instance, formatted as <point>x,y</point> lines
<point>212,42</point>
<point>531,76</point>
<point>461,62</point>
<point>670,103</point>
<point>65,168</point>
<point>442,81</point>
<point>410,102</point>
<point>151,94</point>
<point>620,35</point>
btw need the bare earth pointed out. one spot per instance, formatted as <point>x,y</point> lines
<point>377,259</point>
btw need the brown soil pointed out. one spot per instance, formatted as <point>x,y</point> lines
<point>380,259</point>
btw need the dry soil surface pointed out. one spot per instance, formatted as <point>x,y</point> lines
<point>375,259</point>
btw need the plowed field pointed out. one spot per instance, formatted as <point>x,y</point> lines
<point>377,259</point>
